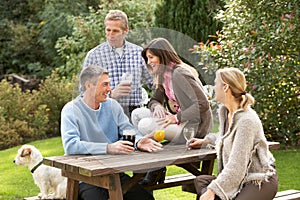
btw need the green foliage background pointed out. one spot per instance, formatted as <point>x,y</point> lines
<point>262,38</point>
<point>194,18</point>
<point>49,39</point>
<point>28,43</point>
<point>89,31</point>
<point>29,31</point>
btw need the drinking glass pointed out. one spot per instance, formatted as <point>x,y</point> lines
<point>127,77</point>
<point>129,135</point>
<point>188,133</point>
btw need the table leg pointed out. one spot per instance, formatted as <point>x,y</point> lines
<point>72,189</point>
<point>110,182</point>
<point>207,167</point>
<point>193,168</point>
<point>115,189</point>
<point>133,180</point>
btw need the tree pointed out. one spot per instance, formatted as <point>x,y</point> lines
<point>192,17</point>
<point>31,29</point>
<point>16,38</point>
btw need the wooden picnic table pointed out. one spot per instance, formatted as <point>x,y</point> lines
<point>103,170</point>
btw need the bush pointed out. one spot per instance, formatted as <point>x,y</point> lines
<point>55,92</point>
<point>22,118</point>
<point>31,115</point>
<point>262,38</point>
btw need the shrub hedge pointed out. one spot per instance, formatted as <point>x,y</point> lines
<point>31,115</point>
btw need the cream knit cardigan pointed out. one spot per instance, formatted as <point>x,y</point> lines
<point>243,153</point>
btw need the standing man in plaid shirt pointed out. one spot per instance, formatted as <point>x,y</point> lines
<point>120,58</point>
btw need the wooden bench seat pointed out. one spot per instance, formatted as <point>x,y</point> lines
<point>288,195</point>
<point>172,181</point>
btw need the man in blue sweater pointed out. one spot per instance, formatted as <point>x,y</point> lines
<point>94,124</point>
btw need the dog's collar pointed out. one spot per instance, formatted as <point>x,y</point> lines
<point>35,167</point>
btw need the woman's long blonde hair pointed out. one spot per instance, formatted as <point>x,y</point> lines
<point>237,83</point>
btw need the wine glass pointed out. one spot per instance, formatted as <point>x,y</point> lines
<point>188,134</point>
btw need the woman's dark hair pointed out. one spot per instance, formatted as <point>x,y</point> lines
<point>163,49</point>
<point>169,59</point>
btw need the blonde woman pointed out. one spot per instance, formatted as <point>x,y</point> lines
<point>246,166</point>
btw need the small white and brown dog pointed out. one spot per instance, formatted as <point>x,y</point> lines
<point>48,179</point>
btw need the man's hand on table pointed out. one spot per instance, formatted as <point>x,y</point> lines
<point>125,147</point>
<point>120,147</point>
<point>148,144</point>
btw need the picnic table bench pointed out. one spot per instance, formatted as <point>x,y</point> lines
<point>288,195</point>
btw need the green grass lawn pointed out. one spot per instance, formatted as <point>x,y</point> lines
<point>16,181</point>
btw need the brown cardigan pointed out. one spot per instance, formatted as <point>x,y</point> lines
<point>191,98</point>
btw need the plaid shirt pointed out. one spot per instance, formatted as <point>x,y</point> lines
<point>131,61</point>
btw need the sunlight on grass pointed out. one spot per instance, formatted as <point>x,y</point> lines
<point>173,193</point>
<point>288,167</point>
<point>14,177</point>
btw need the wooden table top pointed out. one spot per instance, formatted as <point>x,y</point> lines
<point>97,165</point>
